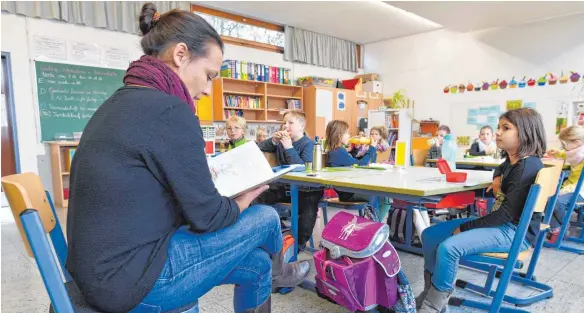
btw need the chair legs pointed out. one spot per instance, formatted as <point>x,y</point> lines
<point>559,244</point>
<point>545,291</point>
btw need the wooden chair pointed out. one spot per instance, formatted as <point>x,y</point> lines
<point>419,157</point>
<point>537,201</point>
<point>35,217</point>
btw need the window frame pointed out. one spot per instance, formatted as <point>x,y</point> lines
<point>244,20</point>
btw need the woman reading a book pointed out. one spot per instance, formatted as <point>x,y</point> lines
<point>147,229</point>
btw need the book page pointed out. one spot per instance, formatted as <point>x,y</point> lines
<point>240,169</point>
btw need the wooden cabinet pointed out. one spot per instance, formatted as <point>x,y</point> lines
<point>322,102</point>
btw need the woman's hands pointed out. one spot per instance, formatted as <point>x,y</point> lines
<point>244,200</point>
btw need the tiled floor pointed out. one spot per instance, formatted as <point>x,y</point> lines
<point>23,290</point>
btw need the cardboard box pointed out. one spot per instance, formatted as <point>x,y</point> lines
<point>368,77</point>
<point>373,86</point>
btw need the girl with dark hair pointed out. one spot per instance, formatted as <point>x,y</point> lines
<point>146,227</point>
<point>521,136</point>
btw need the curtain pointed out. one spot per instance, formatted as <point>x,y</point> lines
<point>42,9</point>
<point>119,16</point>
<point>308,47</point>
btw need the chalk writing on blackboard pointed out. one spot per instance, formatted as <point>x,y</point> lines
<point>68,95</point>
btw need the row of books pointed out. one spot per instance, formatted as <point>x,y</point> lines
<point>241,102</point>
<point>230,113</point>
<point>392,120</point>
<point>259,72</point>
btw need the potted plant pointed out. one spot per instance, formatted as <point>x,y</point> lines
<point>399,99</point>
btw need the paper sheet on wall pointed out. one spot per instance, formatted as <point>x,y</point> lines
<point>473,112</point>
<point>84,52</point>
<point>561,116</point>
<point>514,104</point>
<point>324,104</point>
<point>117,57</point>
<point>495,110</point>
<point>529,105</point>
<point>50,48</point>
<point>471,120</point>
<point>485,111</point>
<point>492,120</point>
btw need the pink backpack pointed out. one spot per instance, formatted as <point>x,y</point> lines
<point>358,266</point>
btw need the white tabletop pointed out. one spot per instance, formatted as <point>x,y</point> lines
<point>487,161</point>
<point>415,181</point>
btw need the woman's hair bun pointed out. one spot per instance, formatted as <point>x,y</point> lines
<point>147,20</point>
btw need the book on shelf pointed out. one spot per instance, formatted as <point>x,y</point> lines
<point>293,104</point>
<point>244,70</point>
<point>243,169</point>
<point>246,102</point>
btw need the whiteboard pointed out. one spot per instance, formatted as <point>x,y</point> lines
<point>546,100</point>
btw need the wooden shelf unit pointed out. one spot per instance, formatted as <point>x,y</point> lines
<point>59,170</point>
<point>272,99</point>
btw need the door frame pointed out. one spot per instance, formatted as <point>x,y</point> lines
<point>11,109</point>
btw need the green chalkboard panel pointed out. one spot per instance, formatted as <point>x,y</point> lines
<point>69,94</point>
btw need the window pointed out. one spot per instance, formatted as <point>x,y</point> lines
<point>244,31</point>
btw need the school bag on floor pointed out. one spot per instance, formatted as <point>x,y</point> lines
<point>358,267</point>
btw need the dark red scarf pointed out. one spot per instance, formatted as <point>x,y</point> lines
<point>150,72</point>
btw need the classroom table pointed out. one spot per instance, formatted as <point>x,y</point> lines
<point>488,163</point>
<point>470,163</point>
<point>413,184</point>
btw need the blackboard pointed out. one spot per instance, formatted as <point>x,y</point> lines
<point>68,95</point>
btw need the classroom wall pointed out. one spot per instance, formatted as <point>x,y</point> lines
<point>17,32</point>
<point>424,64</point>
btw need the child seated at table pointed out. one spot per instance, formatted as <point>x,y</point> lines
<point>485,144</point>
<point>337,138</point>
<point>521,136</point>
<point>572,139</point>
<point>293,146</point>
<point>435,151</point>
<point>261,134</point>
<point>236,127</point>
<point>379,135</point>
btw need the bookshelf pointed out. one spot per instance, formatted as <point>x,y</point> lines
<point>398,123</point>
<point>60,168</point>
<point>258,102</point>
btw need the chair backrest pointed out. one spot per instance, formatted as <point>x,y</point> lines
<point>383,156</point>
<point>25,191</point>
<point>419,156</point>
<point>547,178</point>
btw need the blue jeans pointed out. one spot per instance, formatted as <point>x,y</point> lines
<point>442,251</point>
<point>561,208</point>
<point>238,255</point>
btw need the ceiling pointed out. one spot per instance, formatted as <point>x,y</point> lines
<point>358,21</point>
<point>466,16</point>
<point>370,21</point>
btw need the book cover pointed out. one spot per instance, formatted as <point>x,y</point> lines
<point>243,169</point>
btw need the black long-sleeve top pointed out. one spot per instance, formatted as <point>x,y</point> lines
<point>516,182</point>
<point>139,173</point>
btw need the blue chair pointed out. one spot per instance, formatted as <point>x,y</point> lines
<point>536,201</point>
<point>35,217</point>
<point>480,262</point>
<point>560,244</point>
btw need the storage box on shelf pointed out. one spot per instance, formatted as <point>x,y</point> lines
<point>61,157</point>
<point>255,101</point>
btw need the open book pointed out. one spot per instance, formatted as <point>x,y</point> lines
<point>243,169</point>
